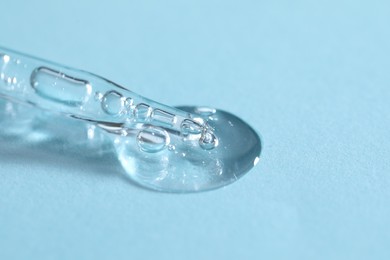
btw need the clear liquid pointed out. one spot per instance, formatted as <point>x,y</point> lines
<point>169,149</point>
<point>183,167</point>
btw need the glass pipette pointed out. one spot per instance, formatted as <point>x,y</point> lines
<point>159,146</point>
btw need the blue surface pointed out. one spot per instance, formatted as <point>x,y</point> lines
<point>311,76</point>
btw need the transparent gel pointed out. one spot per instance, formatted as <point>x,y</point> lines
<point>171,149</point>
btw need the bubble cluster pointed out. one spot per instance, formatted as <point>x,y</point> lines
<point>154,136</point>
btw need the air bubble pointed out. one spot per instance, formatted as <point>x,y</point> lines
<point>98,96</point>
<point>113,103</point>
<point>142,112</point>
<point>163,117</point>
<point>191,127</point>
<point>152,139</point>
<point>171,147</point>
<point>129,105</point>
<point>208,140</point>
<point>56,86</point>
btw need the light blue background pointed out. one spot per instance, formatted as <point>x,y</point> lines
<point>313,77</point>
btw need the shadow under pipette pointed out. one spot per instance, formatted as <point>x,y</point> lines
<point>32,137</point>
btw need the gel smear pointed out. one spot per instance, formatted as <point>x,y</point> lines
<point>189,168</point>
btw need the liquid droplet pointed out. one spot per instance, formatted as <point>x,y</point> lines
<point>220,155</point>
<point>113,103</point>
<point>152,139</point>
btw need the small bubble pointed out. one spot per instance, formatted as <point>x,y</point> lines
<point>113,103</point>
<point>208,140</point>
<point>59,87</point>
<point>191,127</point>
<point>142,112</point>
<point>171,147</point>
<point>124,132</point>
<point>152,139</point>
<point>98,96</point>
<point>129,105</point>
<point>163,117</point>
